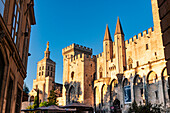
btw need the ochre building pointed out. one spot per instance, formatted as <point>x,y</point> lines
<point>16,20</point>
<point>126,71</point>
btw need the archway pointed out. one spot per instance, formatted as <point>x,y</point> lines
<point>71,95</point>
<point>165,86</point>
<point>116,106</point>
<point>113,89</point>
<point>138,89</point>
<point>32,99</point>
<point>102,94</point>
<point>152,87</point>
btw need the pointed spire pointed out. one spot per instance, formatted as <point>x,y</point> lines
<point>107,34</point>
<point>47,52</point>
<point>118,28</point>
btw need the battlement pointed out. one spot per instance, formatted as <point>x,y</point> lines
<point>82,57</point>
<point>99,55</point>
<point>134,39</point>
<point>77,47</point>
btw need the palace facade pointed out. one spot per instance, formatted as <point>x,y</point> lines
<point>126,71</point>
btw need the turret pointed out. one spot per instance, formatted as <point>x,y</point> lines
<point>119,47</point>
<point>107,44</point>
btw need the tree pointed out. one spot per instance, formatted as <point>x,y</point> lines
<point>52,99</point>
<point>147,108</point>
<point>26,89</point>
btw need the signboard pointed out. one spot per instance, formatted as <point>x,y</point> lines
<point>127,94</point>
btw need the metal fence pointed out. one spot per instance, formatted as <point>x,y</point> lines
<point>2,5</point>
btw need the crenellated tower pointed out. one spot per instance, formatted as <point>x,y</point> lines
<point>119,47</point>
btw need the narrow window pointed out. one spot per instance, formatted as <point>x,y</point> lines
<point>137,63</point>
<point>42,72</point>
<point>48,68</point>
<point>51,74</point>
<point>147,47</point>
<point>130,66</point>
<point>39,73</point>
<point>51,68</point>
<point>43,68</point>
<point>141,92</point>
<point>48,73</point>
<point>100,74</point>
<point>156,94</point>
<point>40,68</point>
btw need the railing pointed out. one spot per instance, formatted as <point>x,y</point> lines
<point>2,6</point>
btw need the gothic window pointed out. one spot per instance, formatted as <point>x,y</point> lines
<point>9,95</point>
<point>72,75</point>
<point>18,101</point>
<point>71,95</point>
<point>43,68</point>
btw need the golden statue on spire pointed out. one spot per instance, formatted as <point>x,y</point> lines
<point>47,44</point>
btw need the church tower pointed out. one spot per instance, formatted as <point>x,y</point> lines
<point>119,48</point>
<point>45,77</point>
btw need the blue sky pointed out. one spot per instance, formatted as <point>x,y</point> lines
<point>63,22</point>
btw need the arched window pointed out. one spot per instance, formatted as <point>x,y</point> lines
<point>72,75</point>
<point>113,93</point>
<point>40,68</point>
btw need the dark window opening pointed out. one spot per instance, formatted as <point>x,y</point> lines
<point>42,72</point>
<point>72,75</point>
<point>137,63</point>
<point>48,68</point>
<point>169,93</point>
<point>100,74</point>
<point>51,74</point>
<point>91,65</point>
<point>2,65</point>
<point>51,68</point>
<point>43,68</point>
<point>156,94</point>
<point>147,47</point>
<point>39,73</point>
<point>141,92</point>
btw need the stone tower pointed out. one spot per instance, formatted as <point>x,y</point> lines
<point>45,77</point>
<point>78,74</point>
<point>119,47</point>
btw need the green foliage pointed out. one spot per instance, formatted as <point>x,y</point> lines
<point>52,98</point>
<point>35,102</point>
<point>30,107</point>
<point>43,104</point>
<point>147,108</point>
<point>26,89</point>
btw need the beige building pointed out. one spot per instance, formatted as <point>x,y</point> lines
<point>126,71</point>
<point>16,18</point>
